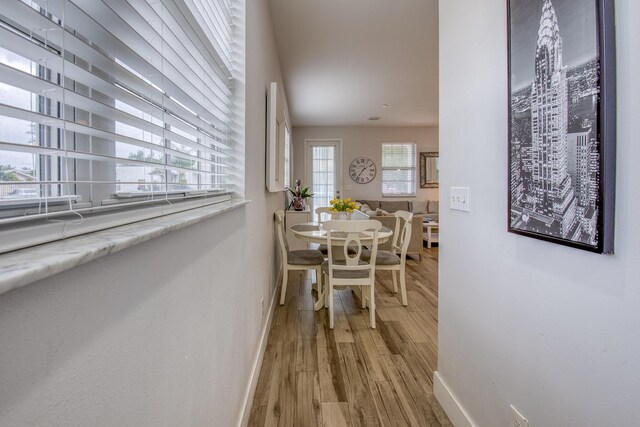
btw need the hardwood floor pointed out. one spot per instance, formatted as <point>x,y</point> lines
<point>353,375</point>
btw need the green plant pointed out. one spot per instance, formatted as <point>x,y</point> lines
<point>304,193</point>
<point>298,195</point>
<point>8,174</point>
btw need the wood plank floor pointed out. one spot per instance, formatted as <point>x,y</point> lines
<point>353,375</point>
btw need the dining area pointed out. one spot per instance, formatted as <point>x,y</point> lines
<point>345,255</point>
<point>353,338</point>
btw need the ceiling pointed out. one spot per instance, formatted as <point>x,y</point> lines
<point>343,59</point>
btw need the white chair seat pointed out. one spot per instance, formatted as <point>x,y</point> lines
<point>305,257</point>
<point>345,274</point>
<point>383,257</point>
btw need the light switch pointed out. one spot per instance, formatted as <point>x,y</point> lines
<point>459,199</point>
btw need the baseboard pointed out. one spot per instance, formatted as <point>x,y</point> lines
<point>450,403</point>
<point>257,364</point>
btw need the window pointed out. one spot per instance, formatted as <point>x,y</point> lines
<point>123,105</point>
<point>287,158</point>
<point>399,169</point>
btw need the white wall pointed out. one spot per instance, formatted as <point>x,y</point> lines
<point>553,330</point>
<point>366,141</point>
<point>164,333</point>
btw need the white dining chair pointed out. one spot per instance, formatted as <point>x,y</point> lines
<point>323,210</point>
<point>332,215</point>
<point>344,268</point>
<point>303,259</point>
<point>389,260</point>
<point>319,211</point>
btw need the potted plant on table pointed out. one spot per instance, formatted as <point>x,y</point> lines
<point>343,207</point>
<point>299,196</point>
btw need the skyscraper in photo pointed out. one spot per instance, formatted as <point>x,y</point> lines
<point>552,188</point>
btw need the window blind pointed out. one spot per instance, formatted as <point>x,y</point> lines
<point>398,169</point>
<point>111,104</point>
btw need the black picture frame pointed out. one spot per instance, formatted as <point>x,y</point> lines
<point>605,137</point>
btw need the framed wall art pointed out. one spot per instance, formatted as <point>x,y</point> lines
<point>561,171</point>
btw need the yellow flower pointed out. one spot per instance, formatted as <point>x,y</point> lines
<point>347,200</point>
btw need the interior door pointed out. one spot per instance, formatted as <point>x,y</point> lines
<point>323,160</point>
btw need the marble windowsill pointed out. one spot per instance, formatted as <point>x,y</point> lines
<point>29,265</point>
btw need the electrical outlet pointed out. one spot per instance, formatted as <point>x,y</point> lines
<point>459,199</point>
<point>517,419</point>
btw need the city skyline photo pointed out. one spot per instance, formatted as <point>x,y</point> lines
<point>554,146</point>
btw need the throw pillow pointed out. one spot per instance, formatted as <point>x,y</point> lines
<point>375,204</point>
<point>382,212</point>
<point>420,206</point>
<point>433,206</point>
<point>364,208</point>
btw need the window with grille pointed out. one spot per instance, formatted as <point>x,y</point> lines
<point>399,169</point>
<point>287,158</point>
<point>324,175</point>
<point>108,105</point>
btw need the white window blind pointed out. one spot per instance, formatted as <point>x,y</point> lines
<point>398,169</point>
<point>115,104</point>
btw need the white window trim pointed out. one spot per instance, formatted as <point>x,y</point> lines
<point>35,263</point>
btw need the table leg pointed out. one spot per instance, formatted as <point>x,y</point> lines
<point>319,305</point>
<point>320,292</point>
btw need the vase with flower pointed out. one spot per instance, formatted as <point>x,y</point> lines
<point>342,207</point>
<point>299,196</point>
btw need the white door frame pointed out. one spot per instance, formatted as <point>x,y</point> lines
<point>308,142</point>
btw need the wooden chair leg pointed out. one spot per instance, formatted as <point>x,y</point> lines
<point>283,291</point>
<point>395,281</point>
<point>372,305</point>
<point>403,286</point>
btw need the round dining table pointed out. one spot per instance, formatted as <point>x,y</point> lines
<point>312,232</point>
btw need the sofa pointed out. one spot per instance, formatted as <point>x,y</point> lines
<point>382,210</point>
<point>426,208</point>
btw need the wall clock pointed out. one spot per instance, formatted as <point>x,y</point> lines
<point>362,170</point>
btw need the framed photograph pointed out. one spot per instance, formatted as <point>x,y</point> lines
<point>561,173</point>
<point>429,170</point>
